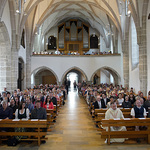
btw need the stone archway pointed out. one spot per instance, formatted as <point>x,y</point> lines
<point>80,72</point>
<point>5,58</point>
<point>44,75</point>
<point>107,71</point>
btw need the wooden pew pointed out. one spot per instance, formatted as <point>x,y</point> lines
<point>100,114</point>
<point>103,110</point>
<point>53,112</point>
<point>128,122</point>
<point>36,124</point>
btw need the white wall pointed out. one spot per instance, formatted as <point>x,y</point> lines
<point>88,64</point>
<point>6,19</point>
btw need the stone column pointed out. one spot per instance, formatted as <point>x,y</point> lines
<point>143,57</point>
<point>125,50</point>
<point>28,54</point>
<point>14,62</point>
<point>5,58</point>
<point>142,42</point>
<point>28,64</point>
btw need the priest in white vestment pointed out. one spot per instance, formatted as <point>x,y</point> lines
<point>115,113</point>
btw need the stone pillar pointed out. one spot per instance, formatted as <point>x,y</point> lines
<point>28,54</point>
<point>125,50</point>
<point>142,42</point>
<point>28,65</point>
<point>143,57</point>
<point>115,43</point>
<point>14,62</point>
<point>5,58</point>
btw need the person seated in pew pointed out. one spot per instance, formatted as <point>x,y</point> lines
<point>120,99</point>
<point>53,98</point>
<point>99,103</point>
<point>132,98</point>
<point>147,105</point>
<point>29,104</point>
<point>126,103</point>
<point>12,105</point>
<point>5,111</point>
<point>138,111</point>
<point>142,101</point>
<point>115,113</point>
<point>48,104</point>
<point>17,102</point>
<point>104,97</point>
<point>22,112</point>
<point>111,100</point>
<point>38,112</point>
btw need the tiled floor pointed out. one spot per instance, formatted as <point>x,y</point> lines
<point>75,130</point>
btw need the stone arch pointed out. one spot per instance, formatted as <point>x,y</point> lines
<point>115,74</point>
<point>71,70</point>
<point>5,58</point>
<point>34,72</point>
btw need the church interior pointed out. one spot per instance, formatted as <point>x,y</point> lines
<point>95,45</point>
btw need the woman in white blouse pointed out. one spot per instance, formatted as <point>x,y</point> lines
<point>22,112</point>
<point>120,99</point>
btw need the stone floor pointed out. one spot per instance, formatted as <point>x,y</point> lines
<point>75,130</point>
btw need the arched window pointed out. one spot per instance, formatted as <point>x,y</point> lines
<point>52,43</point>
<point>134,45</point>
<point>93,41</point>
<point>23,38</point>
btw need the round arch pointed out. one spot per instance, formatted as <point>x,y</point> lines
<point>114,73</point>
<point>72,70</point>
<point>35,71</point>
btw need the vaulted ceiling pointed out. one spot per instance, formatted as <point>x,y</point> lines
<point>103,15</point>
<point>99,13</point>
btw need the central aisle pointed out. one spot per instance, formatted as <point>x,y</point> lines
<point>74,128</point>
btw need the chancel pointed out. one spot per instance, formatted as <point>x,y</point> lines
<point>71,60</point>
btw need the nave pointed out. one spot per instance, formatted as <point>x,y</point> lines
<point>74,130</point>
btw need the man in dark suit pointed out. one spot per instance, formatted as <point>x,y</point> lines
<point>106,100</point>
<point>54,100</point>
<point>39,112</point>
<point>99,103</point>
